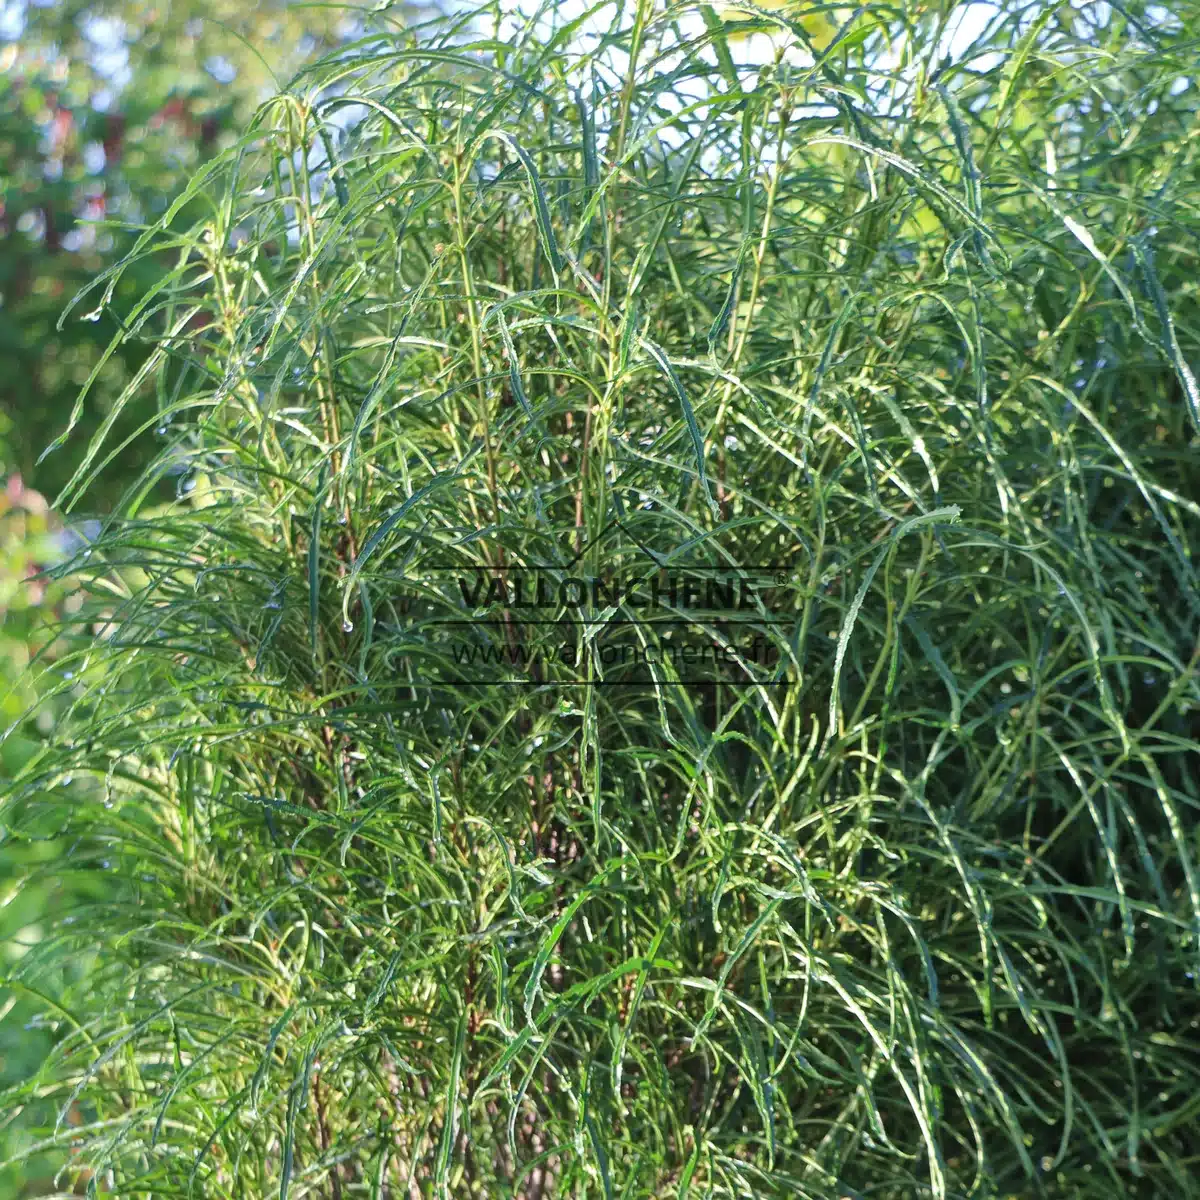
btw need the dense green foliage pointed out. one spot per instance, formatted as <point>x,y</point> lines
<point>106,109</point>
<point>918,915</point>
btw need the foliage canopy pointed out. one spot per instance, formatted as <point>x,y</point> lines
<point>919,915</point>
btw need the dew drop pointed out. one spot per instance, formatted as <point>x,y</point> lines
<point>347,626</point>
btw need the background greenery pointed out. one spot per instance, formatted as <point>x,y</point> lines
<point>105,111</point>
<point>911,313</point>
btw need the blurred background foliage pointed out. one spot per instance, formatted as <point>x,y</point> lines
<point>105,110</point>
<point>107,107</point>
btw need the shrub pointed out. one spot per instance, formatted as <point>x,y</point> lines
<point>910,910</point>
